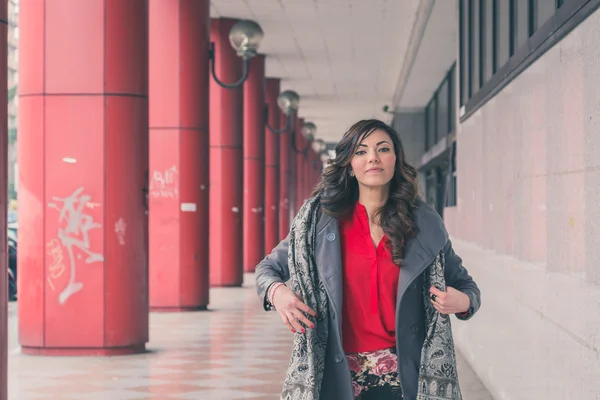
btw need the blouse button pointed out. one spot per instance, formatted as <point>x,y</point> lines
<point>339,358</point>
<point>414,329</point>
<point>331,237</point>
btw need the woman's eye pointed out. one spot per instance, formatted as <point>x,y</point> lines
<point>384,149</point>
<point>360,152</point>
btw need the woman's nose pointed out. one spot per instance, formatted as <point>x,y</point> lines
<point>374,157</point>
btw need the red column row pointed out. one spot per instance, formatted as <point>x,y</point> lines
<point>286,179</point>
<point>178,188</point>
<point>272,167</point>
<point>119,169</point>
<point>226,163</point>
<point>83,166</point>
<point>254,165</point>
<point>3,203</point>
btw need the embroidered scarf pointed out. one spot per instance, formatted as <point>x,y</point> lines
<point>438,378</point>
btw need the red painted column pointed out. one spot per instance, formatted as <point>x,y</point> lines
<point>293,181</point>
<point>285,187</point>
<point>83,164</point>
<point>226,162</point>
<point>315,169</point>
<point>304,167</point>
<point>313,172</point>
<point>3,204</point>
<point>178,105</point>
<point>254,164</point>
<point>300,170</point>
<point>272,167</point>
<point>309,176</point>
<point>318,167</point>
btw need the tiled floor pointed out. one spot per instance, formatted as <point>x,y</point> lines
<point>234,351</point>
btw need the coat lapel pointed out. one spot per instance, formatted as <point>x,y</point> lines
<point>416,260</point>
<point>421,249</point>
<point>328,257</point>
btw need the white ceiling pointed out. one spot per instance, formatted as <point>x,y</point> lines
<point>436,54</point>
<point>343,57</point>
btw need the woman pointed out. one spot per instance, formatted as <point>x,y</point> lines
<point>368,263</point>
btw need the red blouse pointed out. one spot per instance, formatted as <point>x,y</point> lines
<point>370,287</point>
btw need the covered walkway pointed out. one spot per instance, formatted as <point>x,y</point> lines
<point>164,146</point>
<point>233,351</point>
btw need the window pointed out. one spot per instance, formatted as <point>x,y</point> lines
<point>452,98</point>
<point>521,22</point>
<point>431,126</point>
<point>431,187</point>
<point>474,37</point>
<point>443,120</point>
<point>503,31</point>
<point>440,118</point>
<point>499,38</point>
<point>451,182</point>
<point>486,15</point>
<point>464,51</point>
<point>544,9</point>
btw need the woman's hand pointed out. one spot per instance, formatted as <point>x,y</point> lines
<point>451,301</point>
<point>292,309</point>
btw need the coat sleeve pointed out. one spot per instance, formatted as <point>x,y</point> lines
<point>458,277</point>
<point>273,268</point>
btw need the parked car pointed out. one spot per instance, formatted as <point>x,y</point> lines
<point>12,260</point>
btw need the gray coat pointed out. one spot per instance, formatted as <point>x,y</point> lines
<point>420,252</point>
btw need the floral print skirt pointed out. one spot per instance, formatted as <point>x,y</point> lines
<point>375,369</point>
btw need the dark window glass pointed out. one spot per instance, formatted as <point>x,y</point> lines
<point>431,125</point>
<point>521,26</point>
<point>451,199</point>
<point>464,51</point>
<point>452,98</point>
<point>503,30</point>
<point>442,111</point>
<point>487,40</point>
<point>474,46</point>
<point>431,187</point>
<point>426,129</point>
<point>544,10</point>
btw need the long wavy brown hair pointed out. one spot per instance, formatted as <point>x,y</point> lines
<point>339,191</point>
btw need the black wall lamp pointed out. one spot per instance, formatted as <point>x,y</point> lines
<point>288,103</point>
<point>308,132</point>
<point>245,37</point>
<point>320,147</point>
<point>325,157</point>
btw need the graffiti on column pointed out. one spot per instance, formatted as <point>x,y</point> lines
<point>120,228</point>
<point>73,227</point>
<point>57,267</point>
<point>165,183</point>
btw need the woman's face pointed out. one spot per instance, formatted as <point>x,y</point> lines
<point>374,160</point>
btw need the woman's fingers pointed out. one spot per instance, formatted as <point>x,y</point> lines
<point>295,323</point>
<point>439,307</point>
<point>293,311</point>
<point>287,322</point>
<point>295,319</point>
<point>302,318</point>
<point>303,307</point>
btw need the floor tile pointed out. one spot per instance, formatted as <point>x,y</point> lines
<point>220,354</point>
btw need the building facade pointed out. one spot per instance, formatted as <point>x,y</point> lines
<point>508,152</point>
